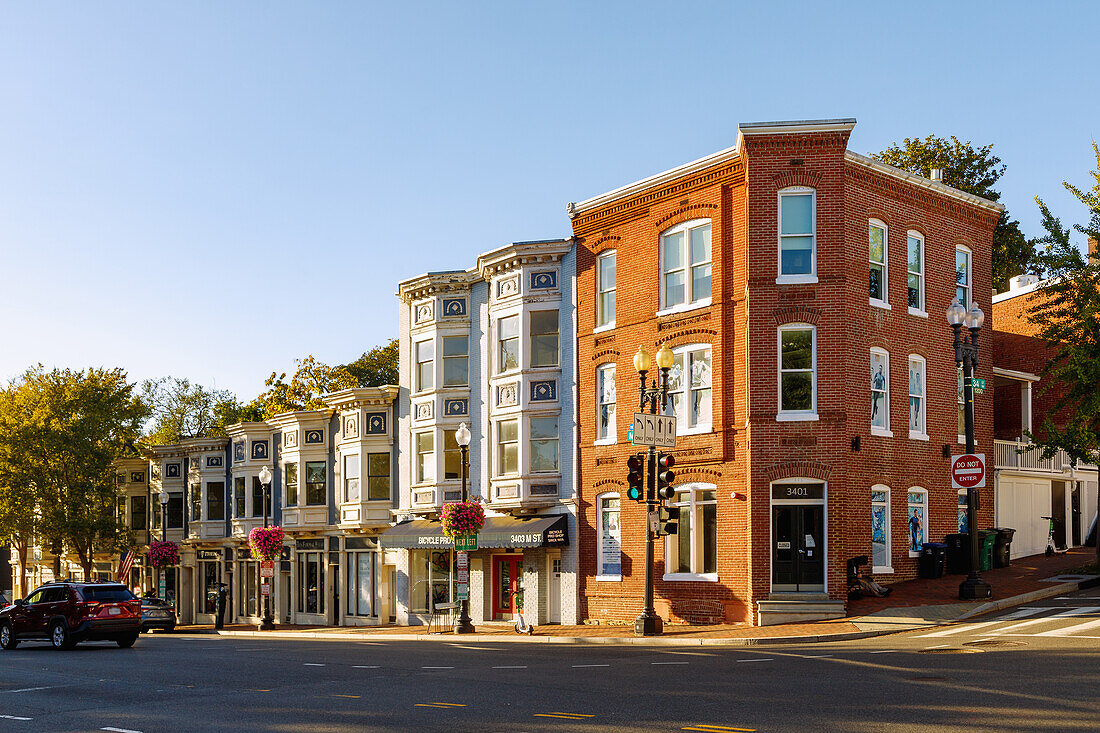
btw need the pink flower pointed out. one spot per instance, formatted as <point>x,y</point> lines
<point>163,554</point>
<point>461,518</point>
<point>265,542</point>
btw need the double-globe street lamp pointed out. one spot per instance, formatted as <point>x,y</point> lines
<point>266,623</point>
<point>162,581</point>
<point>651,396</point>
<point>464,624</point>
<point>966,355</point>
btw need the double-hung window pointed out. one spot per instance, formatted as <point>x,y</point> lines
<point>195,490</point>
<point>605,403</point>
<point>605,289</point>
<point>507,447</point>
<point>916,272</point>
<point>685,264</point>
<point>507,343</point>
<point>962,276</point>
<point>797,235</point>
<point>175,511</point>
<point>425,458</point>
<point>351,478</point>
<point>544,444</point>
<point>290,473</point>
<point>692,553</point>
<point>257,497</point>
<point>918,519</point>
<point>315,483</point>
<point>878,248</point>
<point>378,476</point>
<point>456,361</point>
<point>544,338</point>
<point>138,513</point>
<point>215,500</point>
<point>917,418</point>
<point>425,366</point>
<point>452,455</point>
<point>238,497</point>
<point>962,406</point>
<point>797,367</point>
<point>880,529</point>
<point>689,389</point>
<point>609,562</point>
<point>880,392</point>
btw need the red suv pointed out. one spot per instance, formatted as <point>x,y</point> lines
<point>66,614</point>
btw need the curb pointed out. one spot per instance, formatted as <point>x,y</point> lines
<point>1035,595</point>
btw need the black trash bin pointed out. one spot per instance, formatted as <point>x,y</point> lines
<point>1002,547</point>
<point>932,558</point>
<point>958,553</point>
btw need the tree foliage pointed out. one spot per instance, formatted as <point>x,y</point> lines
<point>181,410</point>
<point>376,367</point>
<point>1067,315</point>
<point>975,171</point>
<point>311,380</point>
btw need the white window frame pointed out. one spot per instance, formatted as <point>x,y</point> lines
<point>453,358</point>
<point>603,322</point>
<point>884,301</point>
<point>531,440</point>
<point>498,446</point>
<point>692,507</point>
<point>811,277</point>
<point>418,376</point>
<point>960,399</point>
<point>795,415</point>
<point>920,309</point>
<point>969,286</point>
<point>690,302</point>
<point>531,339</point>
<point>346,478</point>
<point>683,427</point>
<point>424,460</point>
<point>600,509</point>
<point>921,433</point>
<point>883,430</point>
<point>882,569</point>
<point>908,505</point>
<point>500,340</point>
<point>961,505</point>
<point>611,437</point>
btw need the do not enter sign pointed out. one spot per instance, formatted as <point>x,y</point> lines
<point>968,471</point>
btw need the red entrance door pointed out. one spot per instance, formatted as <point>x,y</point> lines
<point>507,572</point>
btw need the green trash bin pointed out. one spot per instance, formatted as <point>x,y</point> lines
<point>987,538</point>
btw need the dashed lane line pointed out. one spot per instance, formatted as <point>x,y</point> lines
<point>578,666</point>
<point>511,666</point>
<point>121,730</point>
<point>882,651</point>
<point>440,705</point>
<point>565,716</point>
<point>769,659</point>
<point>27,689</point>
<point>437,668</point>
<point>670,662</point>
<point>313,664</point>
<point>365,666</point>
<point>715,728</point>
<point>14,717</point>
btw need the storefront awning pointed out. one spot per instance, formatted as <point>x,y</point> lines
<point>497,532</point>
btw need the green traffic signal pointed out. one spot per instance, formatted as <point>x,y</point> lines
<point>636,478</point>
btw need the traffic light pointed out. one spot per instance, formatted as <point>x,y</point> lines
<point>636,478</point>
<point>669,516</point>
<point>665,476</point>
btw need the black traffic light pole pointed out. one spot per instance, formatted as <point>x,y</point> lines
<point>649,623</point>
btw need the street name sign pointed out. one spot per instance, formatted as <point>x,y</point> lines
<point>466,542</point>
<point>968,471</point>
<point>658,431</point>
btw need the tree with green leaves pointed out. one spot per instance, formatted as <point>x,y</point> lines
<point>181,410</point>
<point>18,502</point>
<point>975,171</point>
<point>1066,315</point>
<point>312,379</point>
<point>376,367</point>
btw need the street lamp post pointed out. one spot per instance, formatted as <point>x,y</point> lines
<point>966,355</point>
<point>649,397</point>
<point>266,623</point>
<point>463,624</point>
<point>162,581</point>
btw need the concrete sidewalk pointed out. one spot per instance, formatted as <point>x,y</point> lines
<point>912,604</point>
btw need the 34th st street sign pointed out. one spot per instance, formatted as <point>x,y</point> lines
<point>968,471</point>
<point>658,431</point>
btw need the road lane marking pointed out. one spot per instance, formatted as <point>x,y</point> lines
<point>816,656</point>
<point>440,705</point>
<point>479,648</point>
<point>512,666</point>
<point>1020,613</point>
<point>693,654</point>
<point>437,668</point>
<point>565,716</point>
<point>250,690</point>
<point>1081,611</point>
<point>577,666</point>
<point>1070,630</point>
<point>716,728</point>
<point>753,660</point>
<point>312,664</point>
<point>937,646</point>
<point>670,662</point>
<point>121,730</point>
<point>28,689</point>
<point>365,666</point>
<point>882,651</point>
<point>354,697</point>
<point>14,717</point>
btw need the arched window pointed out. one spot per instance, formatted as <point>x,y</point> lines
<point>880,529</point>
<point>963,275</point>
<point>605,289</point>
<point>917,515</point>
<point>692,553</point>
<point>880,392</point>
<point>605,403</point>
<point>609,550</point>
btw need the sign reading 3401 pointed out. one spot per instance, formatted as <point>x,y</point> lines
<point>658,431</point>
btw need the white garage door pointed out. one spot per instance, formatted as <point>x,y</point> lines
<point>1021,503</point>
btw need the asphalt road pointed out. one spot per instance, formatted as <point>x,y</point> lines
<point>989,675</point>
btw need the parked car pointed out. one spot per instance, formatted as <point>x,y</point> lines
<point>5,601</point>
<point>157,613</point>
<point>68,613</point>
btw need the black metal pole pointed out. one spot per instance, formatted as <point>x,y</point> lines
<point>973,587</point>
<point>464,624</point>
<point>649,623</point>
<point>266,620</point>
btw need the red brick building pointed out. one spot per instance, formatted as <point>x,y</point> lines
<point>802,288</point>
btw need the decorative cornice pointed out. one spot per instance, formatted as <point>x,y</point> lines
<point>519,254</point>
<point>422,286</point>
<point>353,397</point>
<point>926,183</point>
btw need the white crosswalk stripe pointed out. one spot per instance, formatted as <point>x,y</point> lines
<point>1068,613</point>
<point>1075,630</point>
<point>961,628</point>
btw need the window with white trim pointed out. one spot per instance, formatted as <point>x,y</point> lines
<point>917,420</point>
<point>797,371</point>
<point>880,391</point>
<point>609,552</point>
<point>692,553</point>
<point>605,289</point>
<point>544,338</point>
<point>425,354</point>
<point>917,514</point>
<point>880,529</point>
<point>378,476</point>
<point>351,477</point>
<point>915,269</point>
<point>507,343</point>
<point>963,519</point>
<point>877,256</point>
<point>425,457</point>
<point>797,232</point>
<point>605,403</point>
<point>689,388</point>
<point>452,455</point>
<point>686,264</point>
<point>507,447</point>
<point>456,361</point>
<point>544,444</point>
<point>962,405</point>
<point>962,276</point>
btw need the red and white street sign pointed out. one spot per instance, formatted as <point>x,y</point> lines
<point>267,568</point>
<point>968,471</point>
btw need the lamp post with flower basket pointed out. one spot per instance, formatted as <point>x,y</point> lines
<point>463,518</point>
<point>266,542</point>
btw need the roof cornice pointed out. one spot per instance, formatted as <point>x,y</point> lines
<point>452,281</point>
<point>381,396</point>
<point>886,169</point>
<point>796,127</point>
<point>519,254</point>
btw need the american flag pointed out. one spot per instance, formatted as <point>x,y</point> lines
<point>125,565</point>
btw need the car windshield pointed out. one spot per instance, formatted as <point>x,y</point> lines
<point>154,602</point>
<point>107,593</point>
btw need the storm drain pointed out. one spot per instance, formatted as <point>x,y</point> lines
<point>950,650</point>
<point>995,643</point>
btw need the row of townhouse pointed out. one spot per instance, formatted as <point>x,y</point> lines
<point>801,288</point>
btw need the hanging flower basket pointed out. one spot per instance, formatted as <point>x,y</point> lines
<point>462,518</point>
<point>265,542</point>
<point>163,554</point>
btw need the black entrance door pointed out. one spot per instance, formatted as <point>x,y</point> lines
<point>798,548</point>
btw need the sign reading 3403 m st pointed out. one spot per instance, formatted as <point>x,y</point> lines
<point>656,430</point>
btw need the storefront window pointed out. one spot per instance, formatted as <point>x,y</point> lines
<point>210,582</point>
<point>360,588</point>
<point>249,594</point>
<point>311,582</point>
<point>431,576</point>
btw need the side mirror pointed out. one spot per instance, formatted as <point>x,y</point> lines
<point>21,602</point>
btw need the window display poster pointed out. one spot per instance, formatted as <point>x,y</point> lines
<point>610,532</point>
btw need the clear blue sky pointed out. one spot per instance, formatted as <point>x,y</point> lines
<point>211,190</point>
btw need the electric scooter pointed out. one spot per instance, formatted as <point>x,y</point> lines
<point>1051,548</point>
<point>522,627</point>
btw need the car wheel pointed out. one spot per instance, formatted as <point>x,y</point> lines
<point>59,636</point>
<point>7,637</point>
<point>125,642</point>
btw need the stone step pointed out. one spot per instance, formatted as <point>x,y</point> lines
<point>775,611</point>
